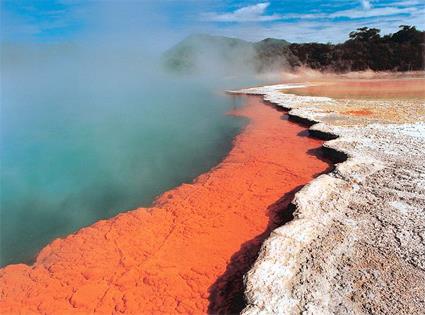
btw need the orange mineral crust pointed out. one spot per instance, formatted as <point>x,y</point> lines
<point>188,252</point>
<point>360,112</point>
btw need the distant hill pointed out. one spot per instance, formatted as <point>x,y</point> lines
<point>199,52</point>
<point>271,54</point>
<point>365,49</point>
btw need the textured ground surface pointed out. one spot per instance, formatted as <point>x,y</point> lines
<point>187,253</point>
<point>357,243</point>
<point>407,88</point>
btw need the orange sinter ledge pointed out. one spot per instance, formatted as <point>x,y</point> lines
<point>188,252</point>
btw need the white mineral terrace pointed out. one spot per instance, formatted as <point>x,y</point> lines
<point>357,241</point>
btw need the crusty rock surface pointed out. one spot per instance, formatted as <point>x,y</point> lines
<point>357,242</point>
<point>188,252</point>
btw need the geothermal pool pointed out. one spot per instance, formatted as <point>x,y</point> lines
<point>83,141</point>
<point>188,252</point>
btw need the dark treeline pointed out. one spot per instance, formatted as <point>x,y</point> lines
<point>366,49</point>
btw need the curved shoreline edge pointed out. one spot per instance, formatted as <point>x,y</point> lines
<point>357,242</point>
<point>189,251</point>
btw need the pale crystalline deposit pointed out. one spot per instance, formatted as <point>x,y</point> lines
<point>357,242</point>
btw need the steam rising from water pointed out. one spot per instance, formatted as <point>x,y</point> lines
<point>89,132</point>
<point>91,125</point>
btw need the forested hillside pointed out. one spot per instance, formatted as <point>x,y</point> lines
<point>365,49</point>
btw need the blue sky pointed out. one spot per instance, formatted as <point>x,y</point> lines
<point>296,21</point>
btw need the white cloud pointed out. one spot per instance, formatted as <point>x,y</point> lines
<point>373,12</point>
<point>366,4</point>
<point>256,13</point>
<point>405,3</point>
<point>355,13</point>
<point>251,13</point>
<point>320,31</point>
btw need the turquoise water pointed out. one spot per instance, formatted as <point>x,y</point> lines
<point>83,139</point>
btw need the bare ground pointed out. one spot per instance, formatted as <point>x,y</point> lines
<point>357,243</point>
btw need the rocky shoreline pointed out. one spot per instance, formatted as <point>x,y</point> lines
<point>188,252</point>
<point>357,241</point>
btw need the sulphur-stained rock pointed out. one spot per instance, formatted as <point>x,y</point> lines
<point>357,242</point>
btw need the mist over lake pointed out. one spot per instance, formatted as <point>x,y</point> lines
<point>86,134</point>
